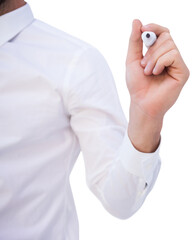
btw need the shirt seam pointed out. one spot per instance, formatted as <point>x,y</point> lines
<point>66,84</point>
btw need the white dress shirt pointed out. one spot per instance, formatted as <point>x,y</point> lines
<point>57,98</point>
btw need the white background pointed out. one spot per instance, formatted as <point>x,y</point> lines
<point>168,211</point>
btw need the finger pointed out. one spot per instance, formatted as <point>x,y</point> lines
<point>164,38</point>
<point>135,43</point>
<point>166,60</point>
<point>152,59</point>
<point>158,29</point>
<point>174,65</point>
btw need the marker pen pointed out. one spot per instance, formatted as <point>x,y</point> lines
<point>148,38</point>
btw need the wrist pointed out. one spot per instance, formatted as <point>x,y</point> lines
<point>144,130</point>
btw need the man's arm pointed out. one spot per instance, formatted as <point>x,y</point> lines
<point>143,130</point>
<point>117,173</point>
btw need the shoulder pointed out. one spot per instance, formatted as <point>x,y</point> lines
<point>56,38</point>
<point>55,46</point>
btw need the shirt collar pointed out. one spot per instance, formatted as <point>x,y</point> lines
<point>13,22</point>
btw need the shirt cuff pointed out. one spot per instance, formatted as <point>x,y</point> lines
<point>138,163</point>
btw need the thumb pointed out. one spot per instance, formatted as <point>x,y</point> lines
<point>135,42</point>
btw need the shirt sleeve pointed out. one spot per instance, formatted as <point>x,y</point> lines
<point>118,174</point>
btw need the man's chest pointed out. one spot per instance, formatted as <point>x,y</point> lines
<point>30,105</point>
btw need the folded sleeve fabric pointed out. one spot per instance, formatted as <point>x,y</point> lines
<point>117,173</point>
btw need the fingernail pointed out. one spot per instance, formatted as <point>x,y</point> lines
<point>147,68</point>
<point>154,70</point>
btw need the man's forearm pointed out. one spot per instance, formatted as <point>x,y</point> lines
<point>143,130</point>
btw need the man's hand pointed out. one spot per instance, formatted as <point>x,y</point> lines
<point>154,82</point>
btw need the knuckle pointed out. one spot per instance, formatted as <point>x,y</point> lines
<point>187,74</point>
<point>188,71</point>
<point>167,30</point>
<point>165,35</point>
<point>175,53</point>
<point>152,61</point>
<point>154,58</point>
<point>171,43</point>
<point>159,61</point>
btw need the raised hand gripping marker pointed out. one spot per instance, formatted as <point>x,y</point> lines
<point>148,38</point>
